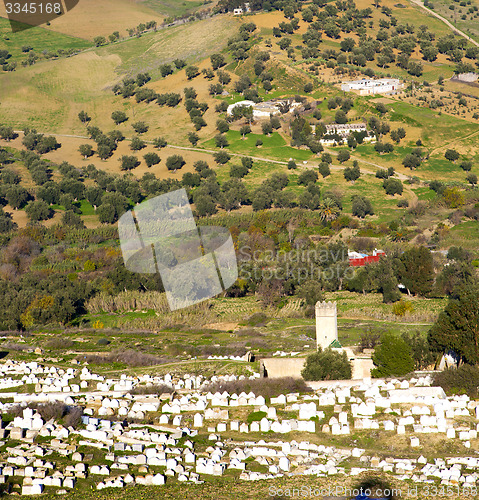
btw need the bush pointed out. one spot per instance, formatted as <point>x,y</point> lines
<point>402,307</point>
<point>55,410</point>
<point>327,365</point>
<point>129,358</point>
<point>255,416</point>
<point>369,340</point>
<point>421,351</point>
<point>376,487</point>
<point>266,387</point>
<point>152,389</point>
<point>361,206</point>
<point>392,357</point>
<point>462,380</point>
<point>59,343</point>
<point>73,417</point>
<point>257,319</point>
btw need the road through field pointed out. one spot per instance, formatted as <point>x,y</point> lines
<point>419,3</point>
<point>400,176</point>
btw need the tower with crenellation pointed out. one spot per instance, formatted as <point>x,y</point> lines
<point>326,325</point>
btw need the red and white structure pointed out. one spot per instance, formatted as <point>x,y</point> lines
<point>357,259</point>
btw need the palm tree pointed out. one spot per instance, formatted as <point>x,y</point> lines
<point>328,210</point>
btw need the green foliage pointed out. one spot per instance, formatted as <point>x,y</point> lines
<point>361,206</point>
<point>327,365</point>
<point>416,270</point>
<point>392,357</point>
<point>175,162</point>
<point>119,117</point>
<point>129,162</point>
<point>462,380</point>
<point>393,186</point>
<point>255,416</point>
<point>151,159</point>
<point>257,319</point>
<point>310,291</point>
<point>457,327</point>
<point>343,156</point>
<point>421,351</point>
<point>351,173</point>
<point>38,211</point>
<point>402,307</point>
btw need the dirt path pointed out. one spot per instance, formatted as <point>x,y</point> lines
<point>267,160</point>
<point>412,195</point>
<point>403,177</point>
<point>173,146</point>
<point>445,146</point>
<point>419,3</point>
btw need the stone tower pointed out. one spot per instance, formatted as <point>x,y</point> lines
<point>326,324</point>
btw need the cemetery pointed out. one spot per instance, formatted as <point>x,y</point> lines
<point>116,445</point>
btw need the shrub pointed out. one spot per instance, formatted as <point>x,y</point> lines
<point>402,307</point>
<point>129,358</point>
<point>73,417</point>
<point>369,339</point>
<point>255,416</point>
<point>257,319</point>
<point>462,380</point>
<point>59,343</point>
<point>152,389</point>
<point>392,357</point>
<point>421,351</point>
<point>266,387</point>
<point>55,410</point>
<point>376,487</point>
<point>327,365</point>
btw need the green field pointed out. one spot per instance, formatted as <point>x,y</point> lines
<point>460,16</point>
<point>39,38</point>
<point>191,42</point>
<point>174,8</point>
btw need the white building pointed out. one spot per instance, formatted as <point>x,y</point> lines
<point>261,109</point>
<point>369,87</point>
<point>241,10</point>
<point>344,129</point>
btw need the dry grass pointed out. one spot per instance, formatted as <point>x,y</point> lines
<point>152,389</point>
<point>261,387</point>
<point>129,358</point>
<point>128,301</point>
<point>91,18</point>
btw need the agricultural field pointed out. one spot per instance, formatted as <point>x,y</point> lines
<point>93,123</point>
<point>92,18</point>
<point>39,38</point>
<point>464,17</point>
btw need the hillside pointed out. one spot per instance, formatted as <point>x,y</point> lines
<point>119,102</point>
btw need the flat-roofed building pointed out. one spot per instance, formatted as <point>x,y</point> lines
<point>344,129</point>
<point>370,87</point>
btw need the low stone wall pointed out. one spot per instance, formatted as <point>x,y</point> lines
<point>281,367</point>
